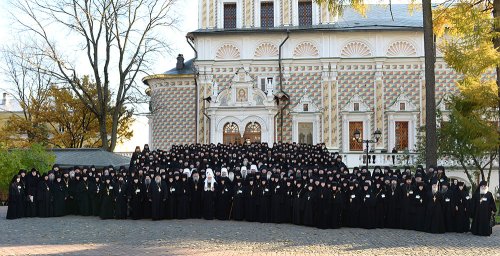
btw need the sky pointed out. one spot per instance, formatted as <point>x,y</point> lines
<point>187,11</point>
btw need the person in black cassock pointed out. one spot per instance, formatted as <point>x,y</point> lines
<point>238,207</point>
<point>59,194</point>
<point>288,201</point>
<point>277,200</point>
<point>95,195</point>
<point>222,199</point>
<point>449,208</point>
<point>336,204</point>
<point>323,205</point>
<point>120,197</point>
<point>183,197</point>
<point>264,201</point>
<point>419,203</point>
<point>367,207</point>
<point>208,196</point>
<point>462,208</point>
<point>83,196</point>
<point>251,198</point>
<point>146,191</point>
<point>379,193</point>
<point>298,204</point>
<point>483,207</point>
<point>309,205</point>
<point>434,215</point>
<point>170,205</point>
<point>406,204</point>
<point>135,197</point>
<point>158,198</point>
<point>393,204</point>
<point>195,186</point>
<point>44,197</point>
<point>30,191</point>
<point>351,208</point>
<point>16,199</point>
<point>107,199</point>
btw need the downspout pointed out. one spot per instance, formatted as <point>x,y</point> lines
<point>281,85</point>
<point>189,40</point>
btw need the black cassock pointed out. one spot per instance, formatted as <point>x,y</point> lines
<point>59,195</point>
<point>158,200</point>
<point>309,207</point>
<point>449,210</point>
<point>196,188</point>
<point>323,208</point>
<point>208,199</point>
<point>30,192</point>
<point>351,209</point>
<point>170,210</point>
<point>251,198</point>
<point>95,197</point>
<point>406,198</point>
<point>419,201</point>
<point>120,200</point>
<point>16,202</point>
<point>44,199</point>
<point>107,202</point>
<point>264,203</point>
<point>366,209</point>
<point>238,210</point>
<point>337,203</point>
<point>182,196</point>
<point>222,201</point>
<point>135,194</point>
<point>380,207</point>
<point>392,214</point>
<point>298,206</point>
<point>287,205</point>
<point>83,198</point>
<point>71,206</point>
<point>146,191</point>
<point>434,215</point>
<point>462,214</point>
<point>482,207</point>
<point>277,203</point>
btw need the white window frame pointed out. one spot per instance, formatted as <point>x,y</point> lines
<point>314,118</point>
<point>276,9</point>
<point>265,77</point>
<point>411,118</point>
<point>295,12</point>
<point>220,12</point>
<point>347,117</point>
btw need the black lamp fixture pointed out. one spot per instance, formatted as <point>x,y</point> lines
<point>357,137</point>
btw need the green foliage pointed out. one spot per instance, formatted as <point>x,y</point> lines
<point>11,161</point>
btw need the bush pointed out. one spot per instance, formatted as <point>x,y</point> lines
<point>11,161</point>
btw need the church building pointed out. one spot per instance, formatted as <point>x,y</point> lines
<point>289,71</point>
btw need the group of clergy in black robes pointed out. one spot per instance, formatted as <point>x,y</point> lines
<point>288,183</point>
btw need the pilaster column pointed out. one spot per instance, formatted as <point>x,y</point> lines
<point>379,107</point>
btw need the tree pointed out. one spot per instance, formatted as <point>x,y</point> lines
<point>63,121</point>
<point>11,161</point>
<point>470,137</point>
<point>29,88</point>
<point>119,38</point>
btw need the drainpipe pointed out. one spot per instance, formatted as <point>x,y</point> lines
<point>190,39</point>
<point>281,85</point>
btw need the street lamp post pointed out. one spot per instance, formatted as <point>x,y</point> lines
<point>357,137</point>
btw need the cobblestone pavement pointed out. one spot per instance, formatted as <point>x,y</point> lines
<point>78,235</point>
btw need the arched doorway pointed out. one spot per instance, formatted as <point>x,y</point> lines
<point>253,132</point>
<point>231,134</point>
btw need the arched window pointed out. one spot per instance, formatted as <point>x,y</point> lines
<point>252,132</point>
<point>231,134</point>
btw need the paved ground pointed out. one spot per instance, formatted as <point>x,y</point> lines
<point>91,236</point>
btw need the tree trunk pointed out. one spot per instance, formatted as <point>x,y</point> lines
<point>430,97</point>
<point>496,43</point>
<point>103,132</point>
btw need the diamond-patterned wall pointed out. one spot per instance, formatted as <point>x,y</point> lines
<point>174,118</point>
